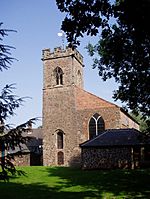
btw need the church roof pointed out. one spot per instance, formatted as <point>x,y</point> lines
<point>117,137</point>
<point>86,100</point>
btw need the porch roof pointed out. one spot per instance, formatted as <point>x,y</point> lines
<point>117,137</point>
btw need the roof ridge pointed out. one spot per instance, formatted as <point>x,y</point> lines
<point>117,137</point>
<point>97,96</point>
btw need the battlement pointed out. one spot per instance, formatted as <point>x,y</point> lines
<point>59,52</point>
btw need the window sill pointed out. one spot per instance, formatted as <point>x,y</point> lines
<point>58,86</point>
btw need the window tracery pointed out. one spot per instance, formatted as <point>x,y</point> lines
<point>96,125</point>
<point>58,75</point>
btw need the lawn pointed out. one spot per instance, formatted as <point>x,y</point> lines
<point>64,183</point>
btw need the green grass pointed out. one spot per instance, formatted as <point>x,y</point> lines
<point>64,183</point>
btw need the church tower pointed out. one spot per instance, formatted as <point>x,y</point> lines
<point>63,71</point>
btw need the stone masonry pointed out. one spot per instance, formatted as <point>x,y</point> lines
<point>106,158</point>
<point>59,111</point>
<point>68,108</point>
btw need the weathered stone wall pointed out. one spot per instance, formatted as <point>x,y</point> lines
<point>71,63</point>
<point>28,159</point>
<point>22,160</point>
<point>106,158</point>
<point>59,114</point>
<point>59,105</point>
<point>63,111</point>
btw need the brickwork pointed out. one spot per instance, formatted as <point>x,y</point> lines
<point>86,100</point>
<point>111,118</point>
<point>67,107</point>
<point>127,122</point>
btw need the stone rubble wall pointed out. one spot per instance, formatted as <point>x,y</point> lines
<point>106,158</point>
<point>22,160</point>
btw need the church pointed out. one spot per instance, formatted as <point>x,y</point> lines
<point>71,115</point>
<point>80,129</point>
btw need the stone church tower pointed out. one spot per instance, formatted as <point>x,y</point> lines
<point>72,115</point>
<point>63,70</point>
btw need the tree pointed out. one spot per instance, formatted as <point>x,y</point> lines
<point>123,48</point>
<point>10,138</point>
<point>144,124</point>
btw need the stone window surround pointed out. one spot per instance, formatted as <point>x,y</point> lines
<point>56,138</point>
<point>58,73</point>
<point>96,117</point>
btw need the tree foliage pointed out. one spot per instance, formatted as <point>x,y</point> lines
<point>11,139</point>
<point>5,54</point>
<point>144,124</point>
<point>123,48</point>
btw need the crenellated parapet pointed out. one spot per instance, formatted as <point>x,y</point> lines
<point>60,52</point>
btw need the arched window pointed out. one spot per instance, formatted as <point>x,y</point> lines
<point>60,140</point>
<point>79,78</point>
<point>59,76</point>
<point>96,125</point>
<point>60,158</point>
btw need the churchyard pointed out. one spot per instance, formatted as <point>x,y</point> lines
<point>62,182</point>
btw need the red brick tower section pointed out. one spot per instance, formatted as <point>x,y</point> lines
<point>63,71</point>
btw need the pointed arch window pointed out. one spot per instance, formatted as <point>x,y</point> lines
<point>60,140</point>
<point>96,125</point>
<point>59,76</point>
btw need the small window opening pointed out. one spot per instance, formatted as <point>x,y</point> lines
<point>59,76</point>
<point>60,140</point>
<point>60,157</point>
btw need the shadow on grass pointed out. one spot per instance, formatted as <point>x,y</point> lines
<point>78,184</point>
<point>106,184</point>
<point>38,191</point>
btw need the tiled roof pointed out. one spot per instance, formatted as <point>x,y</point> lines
<point>36,133</point>
<point>23,149</point>
<point>86,100</point>
<point>33,144</point>
<point>116,137</point>
<point>36,140</point>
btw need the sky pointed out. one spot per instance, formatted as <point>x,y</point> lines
<point>37,23</point>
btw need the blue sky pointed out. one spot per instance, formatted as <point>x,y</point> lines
<point>37,23</point>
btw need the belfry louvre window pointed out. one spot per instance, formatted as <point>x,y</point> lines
<point>60,140</point>
<point>96,125</point>
<point>58,75</point>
